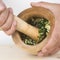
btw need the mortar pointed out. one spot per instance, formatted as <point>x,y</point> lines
<point>25,15</point>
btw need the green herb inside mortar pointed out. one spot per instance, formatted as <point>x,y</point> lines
<point>42,24</point>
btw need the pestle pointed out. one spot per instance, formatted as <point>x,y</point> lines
<point>25,28</point>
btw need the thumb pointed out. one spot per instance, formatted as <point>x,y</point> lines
<point>47,5</point>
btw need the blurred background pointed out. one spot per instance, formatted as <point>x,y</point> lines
<point>18,6</point>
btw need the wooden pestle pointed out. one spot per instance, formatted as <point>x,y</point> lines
<point>26,28</point>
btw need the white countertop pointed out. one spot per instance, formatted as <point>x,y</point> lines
<point>14,53</point>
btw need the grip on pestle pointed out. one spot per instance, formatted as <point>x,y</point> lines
<point>24,27</point>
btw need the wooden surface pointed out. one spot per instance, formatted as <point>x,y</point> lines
<point>14,53</point>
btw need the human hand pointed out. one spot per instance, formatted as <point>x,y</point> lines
<point>7,23</point>
<point>53,44</point>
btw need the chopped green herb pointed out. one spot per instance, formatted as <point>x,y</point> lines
<point>42,24</point>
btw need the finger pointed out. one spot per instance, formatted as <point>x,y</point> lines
<point>51,52</point>
<point>43,53</point>
<point>12,30</point>
<point>39,3</point>
<point>2,6</point>
<point>54,51</point>
<point>4,16</point>
<point>52,43</point>
<point>9,21</point>
<point>45,5</point>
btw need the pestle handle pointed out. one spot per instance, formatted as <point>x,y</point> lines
<point>26,28</point>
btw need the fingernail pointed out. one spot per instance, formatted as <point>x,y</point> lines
<point>40,54</point>
<point>11,10</point>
